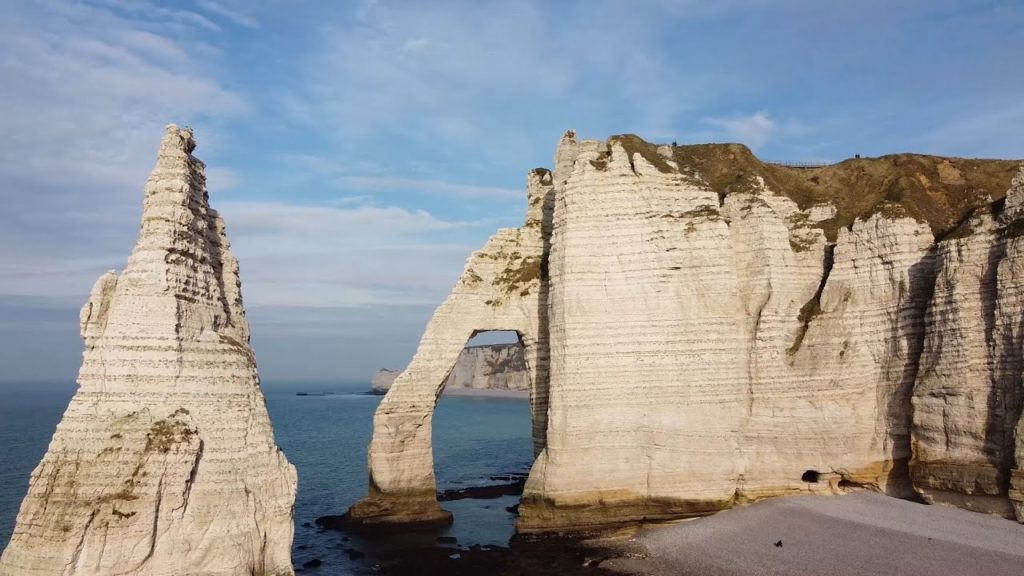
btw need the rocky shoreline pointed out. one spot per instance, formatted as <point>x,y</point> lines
<point>536,556</point>
<point>863,534</point>
<point>393,552</point>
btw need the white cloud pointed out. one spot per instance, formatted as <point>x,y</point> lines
<point>86,88</point>
<point>233,15</point>
<point>291,255</point>
<point>345,256</point>
<point>753,130</point>
<point>440,188</point>
<point>328,223</point>
<point>492,83</point>
<point>144,10</point>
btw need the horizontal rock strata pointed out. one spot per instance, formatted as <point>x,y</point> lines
<point>483,367</point>
<point>503,288</point>
<point>722,330</point>
<point>164,462</point>
<point>967,401</point>
<point>382,381</point>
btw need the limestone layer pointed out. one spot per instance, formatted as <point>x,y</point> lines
<point>382,380</point>
<point>164,462</point>
<point>967,402</point>
<point>483,367</point>
<point>503,287</point>
<point>721,330</point>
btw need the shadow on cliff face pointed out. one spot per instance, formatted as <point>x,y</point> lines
<point>542,385</point>
<point>908,333</point>
<point>1004,345</point>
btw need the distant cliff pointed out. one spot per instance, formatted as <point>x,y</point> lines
<point>485,367</point>
<point>705,329</point>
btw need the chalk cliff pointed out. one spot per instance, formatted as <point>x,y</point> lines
<point>967,402</point>
<point>382,380</point>
<point>721,330</point>
<point>484,367</point>
<point>164,462</point>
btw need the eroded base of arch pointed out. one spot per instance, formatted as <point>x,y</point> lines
<point>392,512</point>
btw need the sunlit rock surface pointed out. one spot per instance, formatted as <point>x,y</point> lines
<point>482,367</point>
<point>721,330</point>
<point>967,401</point>
<point>503,288</point>
<point>164,462</point>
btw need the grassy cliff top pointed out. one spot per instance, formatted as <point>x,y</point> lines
<point>937,190</point>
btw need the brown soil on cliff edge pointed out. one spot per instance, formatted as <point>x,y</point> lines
<point>937,190</point>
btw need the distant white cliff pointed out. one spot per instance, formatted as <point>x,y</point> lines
<point>485,367</point>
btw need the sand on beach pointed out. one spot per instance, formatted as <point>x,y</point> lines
<point>859,534</point>
<point>487,393</point>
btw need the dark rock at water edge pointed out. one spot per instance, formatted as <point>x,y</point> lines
<point>536,557</point>
<point>513,488</point>
<point>345,522</point>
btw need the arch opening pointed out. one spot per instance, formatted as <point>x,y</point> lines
<point>491,362</point>
<point>482,437</point>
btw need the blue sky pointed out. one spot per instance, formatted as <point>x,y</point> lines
<point>359,151</point>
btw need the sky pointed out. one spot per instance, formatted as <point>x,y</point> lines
<point>359,151</point>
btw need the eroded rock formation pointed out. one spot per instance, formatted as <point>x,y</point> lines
<point>723,330</point>
<point>967,402</point>
<point>483,367</point>
<point>164,462</point>
<point>502,288</point>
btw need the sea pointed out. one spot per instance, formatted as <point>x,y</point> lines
<point>325,436</point>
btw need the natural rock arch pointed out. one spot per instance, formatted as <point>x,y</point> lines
<point>502,288</point>
<point>714,327</point>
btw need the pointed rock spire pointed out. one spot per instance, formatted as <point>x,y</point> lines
<point>164,462</point>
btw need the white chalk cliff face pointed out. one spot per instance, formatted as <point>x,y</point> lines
<point>484,367</point>
<point>490,367</point>
<point>164,462</point>
<point>967,402</point>
<point>749,354</point>
<point>382,380</point>
<point>722,330</point>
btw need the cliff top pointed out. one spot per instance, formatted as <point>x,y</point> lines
<point>938,190</point>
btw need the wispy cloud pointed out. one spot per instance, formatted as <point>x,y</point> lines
<point>233,15</point>
<point>440,188</point>
<point>86,88</point>
<point>147,11</point>
<point>366,146</point>
<point>754,130</point>
<point>491,83</point>
<point>358,255</point>
<point>985,132</point>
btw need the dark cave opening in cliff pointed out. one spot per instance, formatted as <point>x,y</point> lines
<point>482,437</point>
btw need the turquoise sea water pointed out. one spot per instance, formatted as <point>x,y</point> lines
<point>325,437</point>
